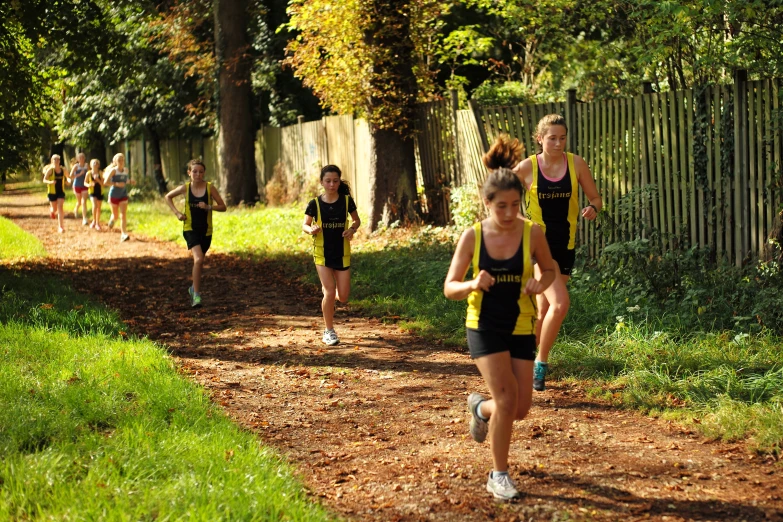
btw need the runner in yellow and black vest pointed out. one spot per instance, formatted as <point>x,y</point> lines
<point>201,198</point>
<point>501,316</point>
<point>94,183</point>
<point>552,179</point>
<point>55,177</point>
<point>327,220</point>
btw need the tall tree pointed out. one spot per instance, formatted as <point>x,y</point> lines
<point>236,136</point>
<point>358,57</point>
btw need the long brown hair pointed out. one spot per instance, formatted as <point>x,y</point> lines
<point>504,153</point>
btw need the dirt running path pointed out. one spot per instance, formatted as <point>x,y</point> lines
<point>377,426</point>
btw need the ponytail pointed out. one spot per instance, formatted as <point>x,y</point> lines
<point>504,153</point>
<point>344,189</point>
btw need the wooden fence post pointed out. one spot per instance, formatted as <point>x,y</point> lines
<point>570,116</point>
<point>479,123</point>
<point>741,206</point>
<point>459,173</point>
<point>299,122</point>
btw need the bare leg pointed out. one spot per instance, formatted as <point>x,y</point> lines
<point>60,215</point>
<point>115,210</point>
<point>502,409</point>
<point>96,213</point>
<point>198,263</point>
<point>343,278</point>
<point>123,216</point>
<point>83,203</point>
<point>553,307</point>
<point>329,287</point>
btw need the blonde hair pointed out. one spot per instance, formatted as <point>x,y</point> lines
<point>546,122</point>
<point>504,153</point>
<point>117,157</point>
<point>55,156</point>
<point>94,162</point>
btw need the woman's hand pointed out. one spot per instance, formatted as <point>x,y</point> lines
<point>589,212</point>
<point>180,216</point>
<point>349,232</point>
<point>314,229</point>
<point>533,286</point>
<point>483,281</point>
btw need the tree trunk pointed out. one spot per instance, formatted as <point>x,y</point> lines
<point>391,109</point>
<point>236,154</point>
<point>157,162</point>
<point>392,178</point>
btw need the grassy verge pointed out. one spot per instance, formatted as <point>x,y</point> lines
<point>99,426</point>
<point>18,244</point>
<point>668,361</point>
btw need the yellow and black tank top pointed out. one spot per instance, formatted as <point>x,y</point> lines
<point>197,219</point>
<point>505,308</point>
<point>554,204</point>
<point>330,248</point>
<point>96,190</point>
<point>57,187</point>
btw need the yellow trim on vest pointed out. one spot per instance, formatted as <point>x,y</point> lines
<point>52,188</point>
<point>318,240</point>
<point>534,212</point>
<point>188,226</point>
<point>528,311</point>
<point>475,297</point>
<point>573,203</point>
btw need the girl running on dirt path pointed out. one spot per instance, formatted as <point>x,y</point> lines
<point>552,179</point>
<point>326,219</point>
<point>201,198</point>
<point>118,179</point>
<point>501,315</point>
<point>94,183</point>
<point>78,173</point>
<point>55,177</point>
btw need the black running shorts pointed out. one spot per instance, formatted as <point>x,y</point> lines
<point>196,238</point>
<point>487,342</point>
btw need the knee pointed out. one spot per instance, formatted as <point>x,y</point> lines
<point>329,293</point>
<point>506,403</point>
<point>561,307</point>
<point>198,260</point>
<point>343,296</point>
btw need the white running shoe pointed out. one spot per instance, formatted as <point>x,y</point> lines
<point>76,213</point>
<point>478,426</point>
<point>330,337</point>
<point>502,487</point>
<point>124,237</point>
<point>84,221</point>
<point>111,221</point>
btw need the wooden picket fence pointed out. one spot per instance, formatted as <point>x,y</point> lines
<point>700,167</point>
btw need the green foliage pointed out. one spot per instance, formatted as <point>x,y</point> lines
<point>358,57</point>
<point>95,425</point>
<point>466,206</point>
<point>505,93</point>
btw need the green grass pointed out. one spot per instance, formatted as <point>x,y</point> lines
<point>661,360</point>
<point>99,426</point>
<point>18,244</point>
